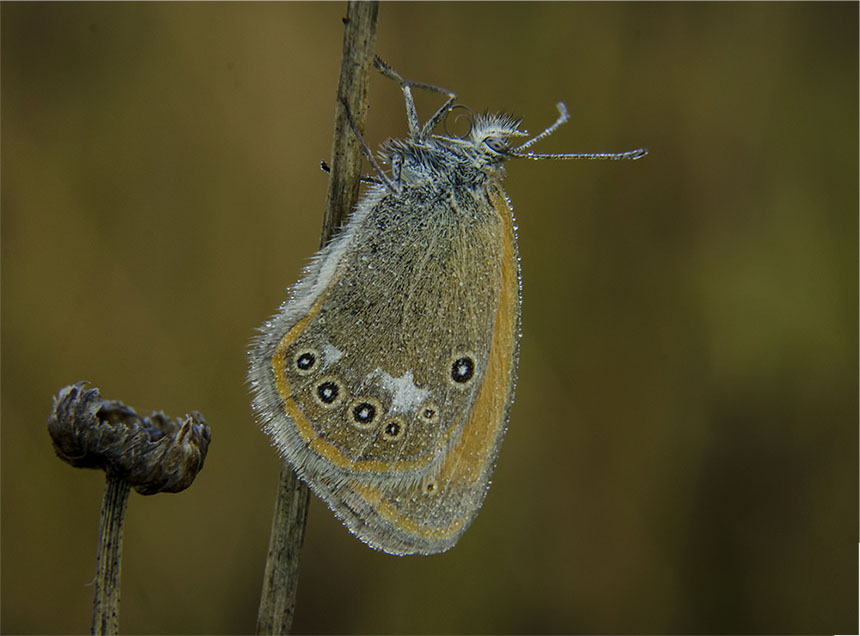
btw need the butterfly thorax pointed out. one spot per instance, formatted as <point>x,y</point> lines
<point>444,162</point>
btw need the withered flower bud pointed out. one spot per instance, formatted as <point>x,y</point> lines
<point>153,454</point>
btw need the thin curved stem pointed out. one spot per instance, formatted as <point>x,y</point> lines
<point>277,603</point>
<point>109,557</point>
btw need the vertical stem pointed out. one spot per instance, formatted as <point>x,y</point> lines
<point>109,558</point>
<point>359,44</point>
<point>280,580</point>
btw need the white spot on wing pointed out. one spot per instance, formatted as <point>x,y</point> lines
<point>406,396</point>
<point>331,354</point>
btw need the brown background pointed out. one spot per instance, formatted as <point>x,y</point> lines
<point>682,456</point>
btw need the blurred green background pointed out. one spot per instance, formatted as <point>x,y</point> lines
<point>682,455</point>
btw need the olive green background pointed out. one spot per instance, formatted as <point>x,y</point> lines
<point>682,454</point>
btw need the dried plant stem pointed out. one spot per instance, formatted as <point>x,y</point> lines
<point>280,580</point>
<point>359,44</point>
<point>150,454</point>
<point>109,558</point>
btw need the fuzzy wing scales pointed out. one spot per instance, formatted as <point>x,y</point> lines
<point>379,361</point>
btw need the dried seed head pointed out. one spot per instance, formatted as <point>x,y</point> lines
<point>154,454</point>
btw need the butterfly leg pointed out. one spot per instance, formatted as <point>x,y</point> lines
<point>391,185</point>
<point>416,131</point>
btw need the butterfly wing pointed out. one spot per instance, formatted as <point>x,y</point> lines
<point>429,517</point>
<point>370,372</point>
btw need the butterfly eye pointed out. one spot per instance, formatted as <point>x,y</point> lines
<point>497,145</point>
